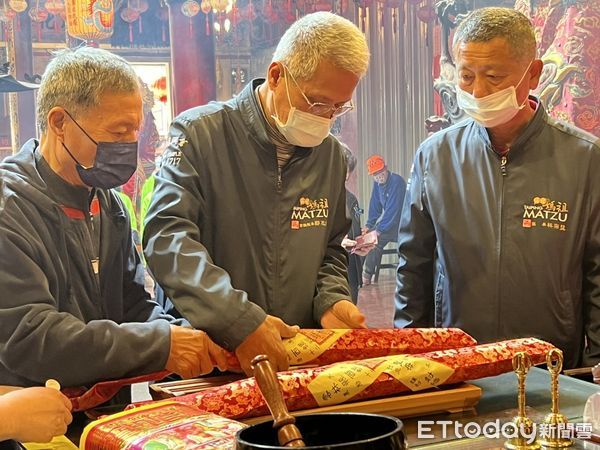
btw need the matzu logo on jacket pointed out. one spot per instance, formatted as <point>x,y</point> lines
<point>310,213</point>
<point>546,213</point>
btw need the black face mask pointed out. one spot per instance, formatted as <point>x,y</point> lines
<point>115,162</point>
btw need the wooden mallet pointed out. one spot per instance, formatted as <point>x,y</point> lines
<point>287,432</point>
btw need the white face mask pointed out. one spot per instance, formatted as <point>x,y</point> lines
<point>301,128</point>
<point>380,178</point>
<point>494,109</point>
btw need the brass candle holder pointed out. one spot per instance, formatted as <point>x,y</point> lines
<point>523,424</point>
<point>555,421</point>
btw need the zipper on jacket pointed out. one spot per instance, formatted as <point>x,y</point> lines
<point>503,162</point>
<point>279,179</point>
<point>273,300</point>
<point>90,257</point>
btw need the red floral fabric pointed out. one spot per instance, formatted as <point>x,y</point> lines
<point>242,399</point>
<point>83,398</point>
<point>373,343</point>
<point>351,345</point>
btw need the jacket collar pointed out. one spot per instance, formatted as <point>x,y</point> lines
<point>531,130</point>
<point>59,190</point>
<point>252,114</point>
<point>254,119</point>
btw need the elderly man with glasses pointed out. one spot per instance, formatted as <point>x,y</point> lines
<point>244,228</point>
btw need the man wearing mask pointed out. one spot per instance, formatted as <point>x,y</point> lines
<point>385,207</point>
<point>509,204</point>
<point>74,306</point>
<point>244,229</point>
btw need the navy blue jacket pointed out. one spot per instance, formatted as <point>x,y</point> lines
<point>505,246</point>
<point>58,318</point>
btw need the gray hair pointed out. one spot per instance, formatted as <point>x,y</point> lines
<point>485,24</point>
<point>322,36</point>
<point>75,79</point>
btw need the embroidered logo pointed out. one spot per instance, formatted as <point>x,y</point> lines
<point>546,213</point>
<point>173,153</point>
<point>310,213</point>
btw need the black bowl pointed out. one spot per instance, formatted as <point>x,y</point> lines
<point>335,431</point>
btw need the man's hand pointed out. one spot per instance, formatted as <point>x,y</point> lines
<point>34,414</point>
<point>266,340</point>
<point>343,314</point>
<point>348,244</point>
<point>193,353</point>
<point>364,230</point>
<point>363,251</point>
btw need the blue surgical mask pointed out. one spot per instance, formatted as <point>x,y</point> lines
<point>115,162</point>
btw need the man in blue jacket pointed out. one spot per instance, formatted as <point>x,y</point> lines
<point>503,209</point>
<point>385,208</point>
<point>73,304</point>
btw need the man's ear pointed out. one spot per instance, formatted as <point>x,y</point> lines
<point>56,120</point>
<point>536,71</point>
<point>274,74</point>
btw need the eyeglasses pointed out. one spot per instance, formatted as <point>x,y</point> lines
<point>323,109</point>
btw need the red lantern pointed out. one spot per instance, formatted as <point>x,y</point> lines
<point>6,15</point>
<point>426,14</point>
<point>38,14</point>
<point>129,15</point>
<point>205,6</point>
<point>219,5</point>
<point>55,7</point>
<point>163,16</point>
<point>159,87</point>
<point>190,8</point>
<point>268,11</point>
<point>18,5</point>
<point>90,20</point>
<point>290,17</point>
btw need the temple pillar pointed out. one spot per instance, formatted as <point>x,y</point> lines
<point>192,58</point>
<point>24,66</point>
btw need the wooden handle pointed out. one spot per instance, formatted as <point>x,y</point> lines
<point>287,432</point>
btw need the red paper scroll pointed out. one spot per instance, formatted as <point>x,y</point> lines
<point>378,377</point>
<point>320,347</point>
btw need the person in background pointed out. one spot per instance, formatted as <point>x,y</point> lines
<point>245,226</point>
<point>77,310</point>
<point>500,233</point>
<point>354,211</point>
<point>385,208</point>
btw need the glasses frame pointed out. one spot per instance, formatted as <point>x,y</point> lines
<point>322,109</point>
